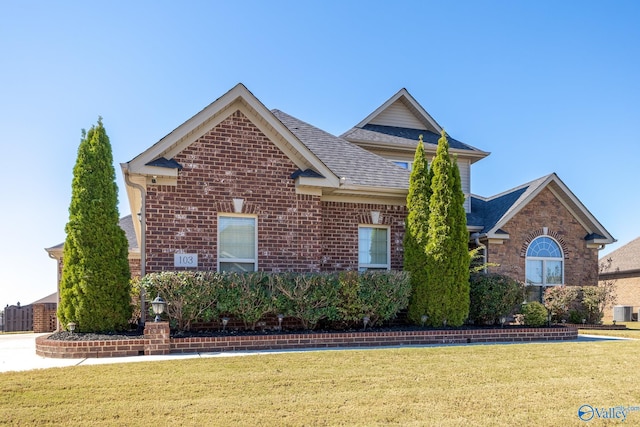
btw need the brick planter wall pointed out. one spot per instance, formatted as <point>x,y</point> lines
<point>157,341</point>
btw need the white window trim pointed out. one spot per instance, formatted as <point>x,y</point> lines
<point>238,260</point>
<point>386,266</point>
<point>544,263</point>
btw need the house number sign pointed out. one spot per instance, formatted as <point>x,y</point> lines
<point>185,260</point>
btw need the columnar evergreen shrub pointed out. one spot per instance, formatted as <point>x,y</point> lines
<point>493,296</point>
<point>447,245</point>
<point>95,281</point>
<point>415,237</point>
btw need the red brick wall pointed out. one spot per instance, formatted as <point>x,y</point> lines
<point>545,210</point>
<point>44,317</point>
<point>295,232</point>
<point>340,232</point>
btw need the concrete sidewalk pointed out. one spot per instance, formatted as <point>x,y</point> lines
<point>18,353</point>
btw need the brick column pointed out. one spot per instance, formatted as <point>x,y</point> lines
<point>156,338</point>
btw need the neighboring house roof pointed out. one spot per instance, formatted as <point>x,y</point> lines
<point>494,212</point>
<point>126,223</point>
<point>53,298</point>
<point>624,261</point>
<point>356,165</point>
<point>398,124</point>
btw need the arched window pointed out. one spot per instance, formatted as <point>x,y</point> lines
<point>545,262</point>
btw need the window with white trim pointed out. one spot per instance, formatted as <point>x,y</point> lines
<point>404,164</point>
<point>545,262</point>
<point>373,248</point>
<point>237,243</point>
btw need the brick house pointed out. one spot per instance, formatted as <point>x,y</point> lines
<point>240,187</point>
<point>624,272</point>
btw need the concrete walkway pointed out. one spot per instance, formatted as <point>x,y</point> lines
<point>18,353</point>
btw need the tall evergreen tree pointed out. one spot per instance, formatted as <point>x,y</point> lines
<point>415,237</point>
<point>447,243</point>
<point>94,287</point>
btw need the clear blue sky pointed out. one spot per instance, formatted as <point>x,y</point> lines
<point>545,86</point>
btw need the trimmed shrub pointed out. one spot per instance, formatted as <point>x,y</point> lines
<point>384,294</point>
<point>190,295</point>
<point>308,298</point>
<point>493,296</point>
<point>559,300</point>
<point>251,296</point>
<point>594,301</point>
<point>346,297</point>
<point>535,314</point>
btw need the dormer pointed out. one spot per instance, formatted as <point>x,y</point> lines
<point>393,130</point>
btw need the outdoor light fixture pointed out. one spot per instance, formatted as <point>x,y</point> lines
<point>584,321</point>
<point>444,323</point>
<point>424,319</point>
<point>225,320</point>
<point>365,320</point>
<point>549,316</point>
<point>503,320</point>
<point>280,317</point>
<point>158,305</point>
<point>71,326</point>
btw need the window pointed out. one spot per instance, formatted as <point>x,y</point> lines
<point>237,243</point>
<point>373,248</point>
<point>403,164</point>
<point>545,262</point>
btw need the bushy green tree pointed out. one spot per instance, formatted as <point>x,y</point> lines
<point>415,237</point>
<point>95,286</point>
<point>447,243</point>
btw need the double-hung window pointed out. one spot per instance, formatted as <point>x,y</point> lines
<point>237,243</point>
<point>373,248</point>
<point>545,263</point>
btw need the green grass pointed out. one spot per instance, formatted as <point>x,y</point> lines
<point>490,385</point>
<point>633,331</point>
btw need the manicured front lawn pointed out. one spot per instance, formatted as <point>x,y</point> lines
<point>633,331</point>
<point>490,385</point>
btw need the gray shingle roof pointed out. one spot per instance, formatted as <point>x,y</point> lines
<point>126,223</point>
<point>402,136</point>
<point>625,258</point>
<point>344,159</point>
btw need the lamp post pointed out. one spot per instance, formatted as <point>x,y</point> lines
<point>424,319</point>
<point>71,326</point>
<point>365,320</point>
<point>280,318</point>
<point>158,305</point>
<point>503,320</point>
<point>225,320</point>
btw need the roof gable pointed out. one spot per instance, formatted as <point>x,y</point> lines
<point>496,211</point>
<point>402,110</point>
<point>396,125</point>
<point>238,98</point>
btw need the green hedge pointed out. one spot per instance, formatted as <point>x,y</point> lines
<point>346,297</point>
<point>493,296</point>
